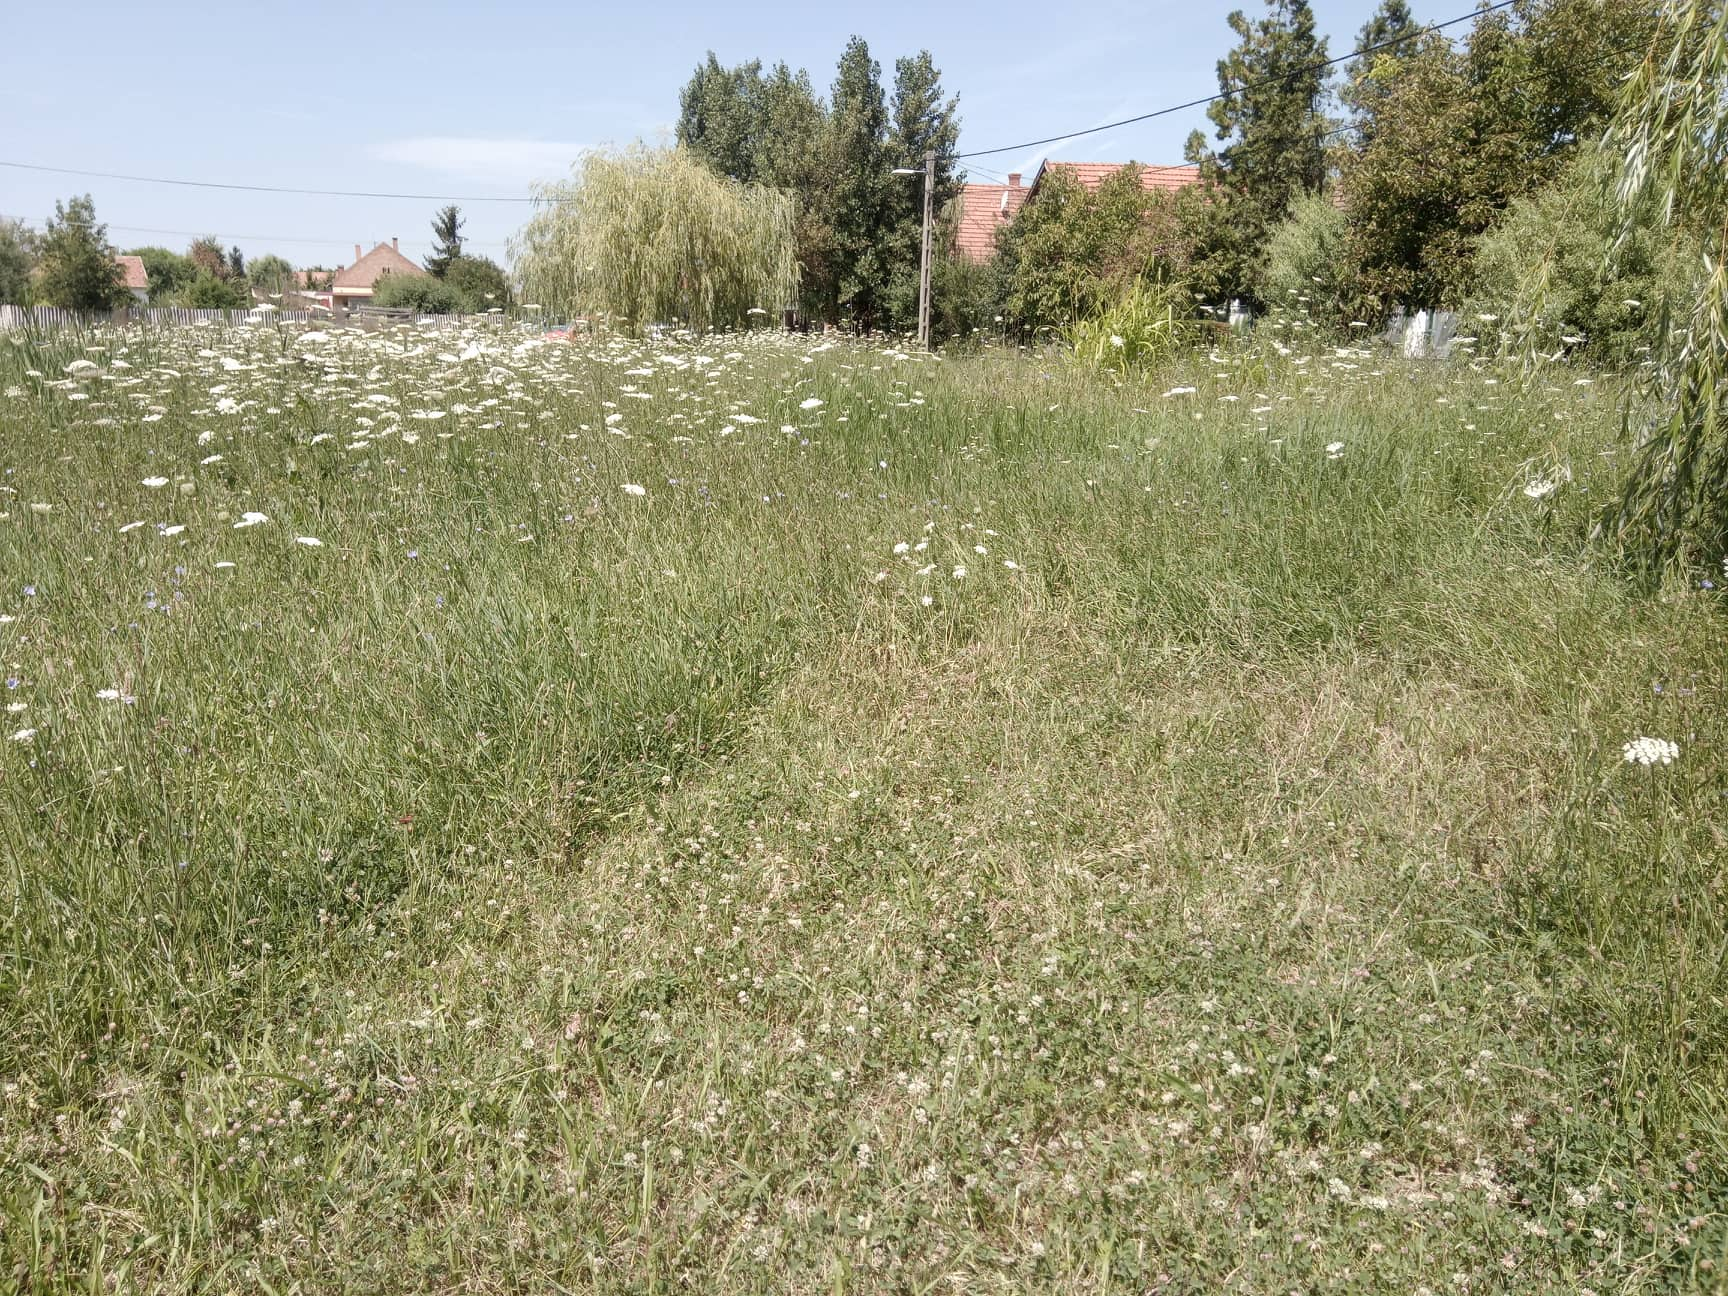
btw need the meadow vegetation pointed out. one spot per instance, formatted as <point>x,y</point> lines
<point>490,814</point>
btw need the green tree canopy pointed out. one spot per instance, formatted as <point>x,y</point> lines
<point>1372,67</point>
<point>270,274</point>
<point>857,197</point>
<point>18,252</point>
<point>481,281</point>
<point>1071,252</point>
<point>167,272</point>
<point>447,240</point>
<point>1270,122</point>
<point>650,235</point>
<point>1452,136</point>
<point>207,292</point>
<point>921,120</point>
<point>78,269</point>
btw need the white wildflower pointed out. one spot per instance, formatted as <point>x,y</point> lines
<point>311,542</point>
<point>1650,751</point>
<point>631,488</point>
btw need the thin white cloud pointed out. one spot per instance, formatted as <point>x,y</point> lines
<point>1029,164</point>
<point>471,158</point>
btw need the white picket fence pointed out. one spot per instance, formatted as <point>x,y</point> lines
<point>58,317</point>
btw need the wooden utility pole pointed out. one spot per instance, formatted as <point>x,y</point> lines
<point>924,257</point>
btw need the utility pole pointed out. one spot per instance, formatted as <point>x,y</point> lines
<point>929,174</point>
<point>924,258</point>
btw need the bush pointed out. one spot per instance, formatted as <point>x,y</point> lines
<point>965,296</point>
<point>481,282</point>
<point>207,292</point>
<point>419,293</point>
<point>1307,267</point>
<point>1147,323</point>
<point>1551,266</point>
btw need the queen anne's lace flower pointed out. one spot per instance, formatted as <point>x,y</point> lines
<point>1651,751</point>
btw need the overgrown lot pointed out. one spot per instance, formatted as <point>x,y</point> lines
<point>487,814</point>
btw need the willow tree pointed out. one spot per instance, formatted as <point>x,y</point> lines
<point>1672,132</point>
<point>651,235</point>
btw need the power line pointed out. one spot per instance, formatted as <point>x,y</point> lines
<point>1229,94</point>
<point>250,238</point>
<point>271,189</point>
<point>976,153</point>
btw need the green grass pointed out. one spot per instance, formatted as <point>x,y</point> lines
<point>537,886</point>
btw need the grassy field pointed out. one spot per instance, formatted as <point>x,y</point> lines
<point>753,815</point>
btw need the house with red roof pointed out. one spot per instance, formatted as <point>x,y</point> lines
<point>984,209</point>
<point>1153,179</point>
<point>355,285</point>
<point>134,276</point>
<point>987,208</point>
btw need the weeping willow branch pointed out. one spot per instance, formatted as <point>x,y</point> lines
<point>1672,132</point>
<point>648,235</point>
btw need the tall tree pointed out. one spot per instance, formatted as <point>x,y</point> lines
<point>653,235</point>
<point>18,252</point>
<point>446,240</point>
<point>921,121</point>
<point>1272,130</point>
<point>206,255</point>
<point>1392,27</point>
<point>720,116</point>
<point>857,200</point>
<point>789,155</point>
<point>236,264</point>
<point>1451,137</point>
<point>78,269</point>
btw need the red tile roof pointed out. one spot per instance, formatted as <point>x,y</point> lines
<point>1167,179</point>
<point>133,272</point>
<point>363,274</point>
<point>984,209</point>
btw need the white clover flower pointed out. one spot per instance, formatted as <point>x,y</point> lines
<point>925,600</point>
<point>1650,751</point>
<point>631,488</point>
<point>1116,340</point>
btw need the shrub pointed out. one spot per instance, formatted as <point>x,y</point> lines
<point>1306,264</point>
<point>480,280</point>
<point>1552,265</point>
<point>1146,323</point>
<point>421,294</point>
<point>207,292</point>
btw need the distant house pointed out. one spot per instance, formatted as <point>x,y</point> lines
<point>984,209</point>
<point>134,276</point>
<point>1167,179</point>
<point>355,285</point>
<point>987,208</point>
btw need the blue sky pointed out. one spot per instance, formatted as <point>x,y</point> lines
<point>454,100</point>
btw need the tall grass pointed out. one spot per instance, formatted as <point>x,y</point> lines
<point>957,825</point>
